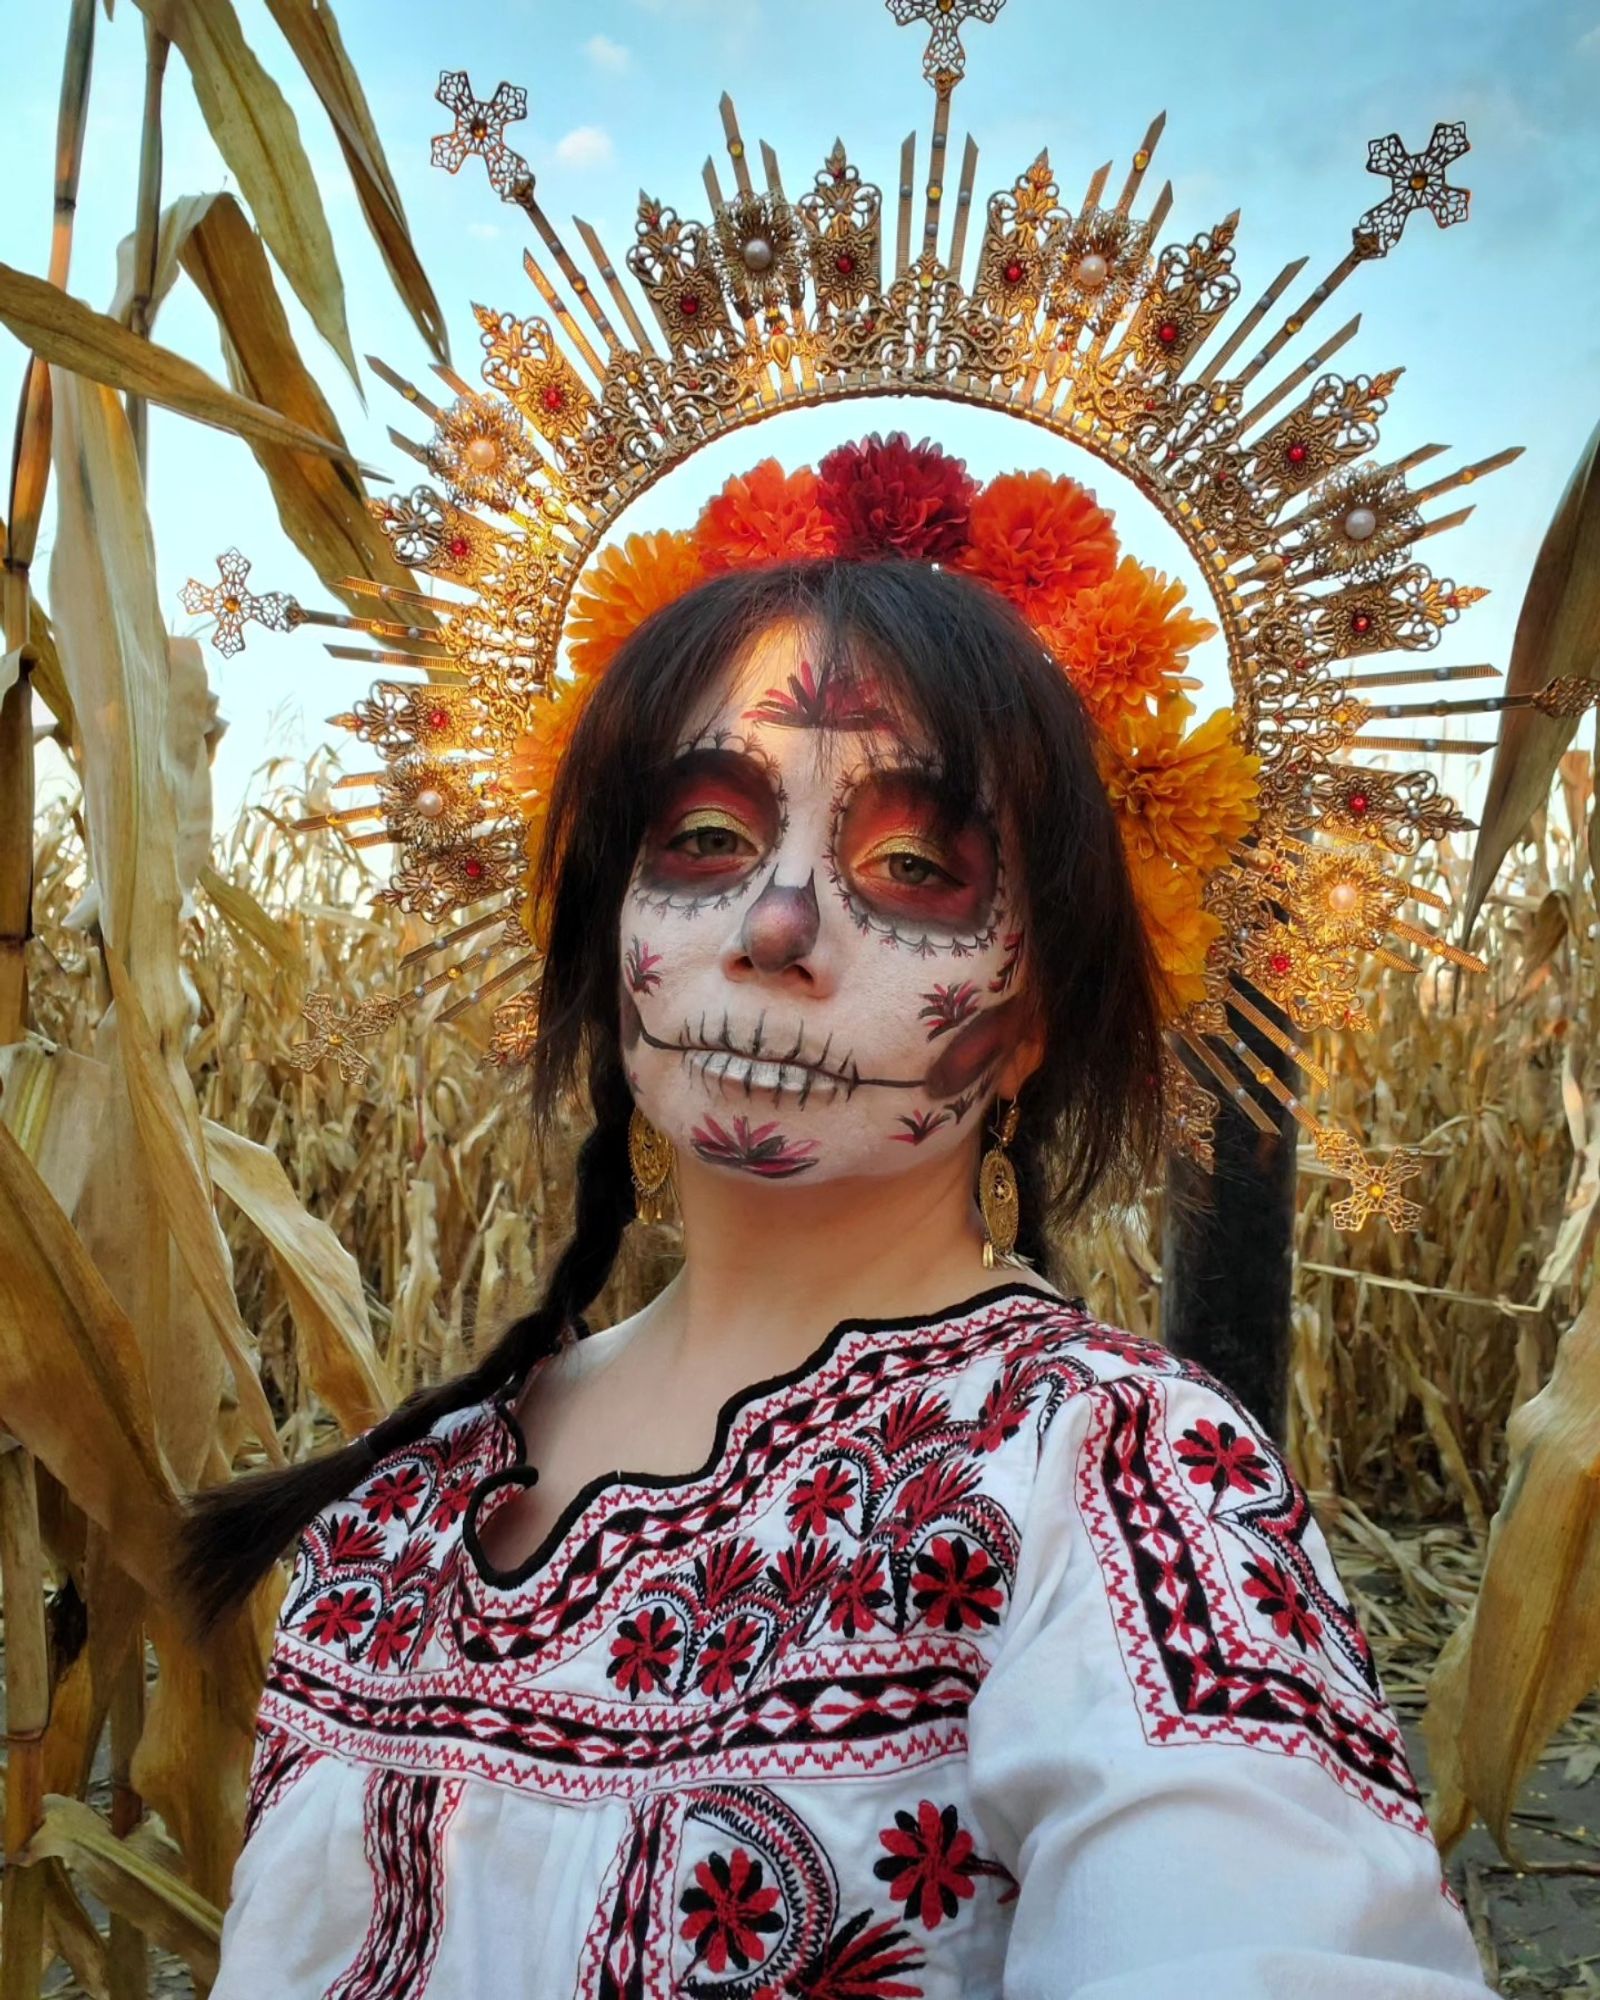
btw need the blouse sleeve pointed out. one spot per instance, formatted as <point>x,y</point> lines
<point>1182,1751</point>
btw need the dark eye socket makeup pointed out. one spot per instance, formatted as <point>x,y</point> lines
<point>895,850</point>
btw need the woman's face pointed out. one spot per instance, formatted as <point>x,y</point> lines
<point>818,981</point>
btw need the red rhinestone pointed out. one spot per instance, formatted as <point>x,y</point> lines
<point>1297,454</point>
<point>438,718</point>
<point>460,548</point>
<point>1166,333</point>
<point>1359,803</point>
<point>1014,273</point>
<point>473,868</point>
<point>844,263</point>
<point>689,305</point>
<point>1280,962</point>
<point>1362,622</point>
<point>1452,602</point>
<point>554,398</point>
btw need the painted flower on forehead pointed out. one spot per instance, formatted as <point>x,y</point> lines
<point>1039,541</point>
<point>628,584</point>
<point>1183,799</point>
<point>764,516</point>
<point>1126,640</point>
<point>886,496</point>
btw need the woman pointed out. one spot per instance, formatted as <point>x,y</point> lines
<point>854,1622</point>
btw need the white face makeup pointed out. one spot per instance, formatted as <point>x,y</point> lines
<point>818,982</point>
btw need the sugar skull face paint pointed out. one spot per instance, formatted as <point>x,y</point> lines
<point>819,978</point>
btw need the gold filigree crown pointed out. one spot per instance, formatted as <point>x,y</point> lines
<point>1074,318</point>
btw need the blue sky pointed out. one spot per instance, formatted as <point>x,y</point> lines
<point>1270,106</point>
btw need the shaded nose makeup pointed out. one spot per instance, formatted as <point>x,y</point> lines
<point>781,925</point>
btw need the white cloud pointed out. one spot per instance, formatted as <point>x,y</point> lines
<point>486,232</point>
<point>607,54</point>
<point>1589,44</point>
<point>584,146</point>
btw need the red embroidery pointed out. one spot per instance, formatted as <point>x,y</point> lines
<point>279,1762</point>
<point>406,1818</point>
<point>728,1910</point>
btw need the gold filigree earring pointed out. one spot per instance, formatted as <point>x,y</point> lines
<point>650,1155</point>
<point>998,1201</point>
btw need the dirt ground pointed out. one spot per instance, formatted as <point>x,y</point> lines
<point>1537,1926</point>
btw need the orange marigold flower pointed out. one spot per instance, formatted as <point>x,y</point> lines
<point>1126,639</point>
<point>1039,541</point>
<point>1180,928</point>
<point>627,585</point>
<point>764,516</point>
<point>1181,799</point>
<point>530,770</point>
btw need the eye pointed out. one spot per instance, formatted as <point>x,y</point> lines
<point>908,863</point>
<point>707,835</point>
<point>899,859</point>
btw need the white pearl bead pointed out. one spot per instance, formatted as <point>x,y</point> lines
<point>1091,271</point>
<point>758,254</point>
<point>482,453</point>
<point>1344,896</point>
<point>429,802</point>
<point>1360,524</point>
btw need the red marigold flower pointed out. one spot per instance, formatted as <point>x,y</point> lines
<point>889,497</point>
<point>1039,541</point>
<point>764,516</point>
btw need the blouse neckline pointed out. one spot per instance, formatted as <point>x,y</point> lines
<point>520,1473</point>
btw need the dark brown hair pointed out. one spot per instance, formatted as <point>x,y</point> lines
<point>966,674</point>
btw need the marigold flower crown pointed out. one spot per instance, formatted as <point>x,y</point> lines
<point>1271,866</point>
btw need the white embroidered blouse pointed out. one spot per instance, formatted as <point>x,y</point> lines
<point>992,1654</point>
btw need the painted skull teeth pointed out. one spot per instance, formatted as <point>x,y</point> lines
<point>731,1072</point>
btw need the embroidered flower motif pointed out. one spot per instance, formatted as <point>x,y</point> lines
<point>341,1614</point>
<point>856,1597</point>
<point>889,497</point>
<point>1039,541</point>
<point>956,1586</point>
<point>826,1496</point>
<point>353,1540</point>
<point>804,1570</point>
<point>727,1656</point>
<point>726,1569</point>
<point>452,1504</point>
<point>392,1635</point>
<point>1126,1346</point>
<point>1218,1457</point>
<point>911,1419</point>
<point>930,1865</point>
<point>937,1491</point>
<point>644,1652</point>
<point>858,1963</point>
<point>729,1913</point>
<point>1004,1412</point>
<point>1284,1602</point>
<point>393,1495</point>
<point>766,515</point>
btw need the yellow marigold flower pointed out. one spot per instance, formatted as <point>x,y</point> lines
<point>1182,799</point>
<point>1181,930</point>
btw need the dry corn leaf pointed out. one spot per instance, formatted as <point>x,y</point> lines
<point>53,1100</point>
<point>73,1933</point>
<point>322,504</point>
<point>1533,1652</point>
<point>166,1123</point>
<point>71,335</point>
<point>311,31</point>
<point>160,1903</point>
<point>1558,633</point>
<point>173,226</point>
<point>72,1380</point>
<point>193,1759</point>
<point>245,917</point>
<point>255,132</point>
<point>321,1281</point>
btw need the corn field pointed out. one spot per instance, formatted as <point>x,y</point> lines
<point>211,1260</point>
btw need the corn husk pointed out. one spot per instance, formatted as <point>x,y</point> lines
<point>70,335</point>
<point>255,132</point>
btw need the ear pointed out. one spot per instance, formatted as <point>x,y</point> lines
<point>1027,1053</point>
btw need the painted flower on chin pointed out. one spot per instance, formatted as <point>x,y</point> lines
<point>754,1149</point>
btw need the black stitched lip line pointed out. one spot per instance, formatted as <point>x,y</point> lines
<point>846,1075</point>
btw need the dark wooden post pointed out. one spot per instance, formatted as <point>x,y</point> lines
<point>1228,1252</point>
